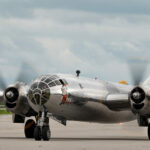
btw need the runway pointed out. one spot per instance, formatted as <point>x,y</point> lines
<point>75,136</point>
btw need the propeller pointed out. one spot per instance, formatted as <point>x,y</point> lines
<point>2,87</point>
<point>137,67</point>
<point>26,75</point>
<point>2,83</point>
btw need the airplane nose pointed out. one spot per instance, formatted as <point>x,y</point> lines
<point>39,93</point>
<point>37,98</point>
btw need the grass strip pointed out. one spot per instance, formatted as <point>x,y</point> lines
<point>4,112</point>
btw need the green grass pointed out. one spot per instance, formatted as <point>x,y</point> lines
<point>1,104</point>
<point>4,112</point>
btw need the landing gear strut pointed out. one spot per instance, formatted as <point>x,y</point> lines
<point>42,130</point>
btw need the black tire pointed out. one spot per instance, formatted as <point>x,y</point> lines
<point>29,128</point>
<point>46,134</point>
<point>148,131</point>
<point>37,133</point>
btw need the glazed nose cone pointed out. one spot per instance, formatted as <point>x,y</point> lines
<point>39,93</point>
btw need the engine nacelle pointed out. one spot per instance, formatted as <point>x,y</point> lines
<point>140,100</point>
<point>11,96</point>
<point>16,101</point>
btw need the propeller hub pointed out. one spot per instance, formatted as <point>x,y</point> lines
<point>10,94</point>
<point>136,95</point>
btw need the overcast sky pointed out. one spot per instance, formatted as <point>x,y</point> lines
<point>60,36</point>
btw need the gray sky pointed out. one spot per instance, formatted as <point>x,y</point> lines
<point>96,36</point>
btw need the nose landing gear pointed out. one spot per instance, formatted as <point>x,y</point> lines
<point>46,134</point>
<point>42,130</point>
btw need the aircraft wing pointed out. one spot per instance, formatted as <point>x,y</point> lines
<point>115,102</point>
<point>118,102</point>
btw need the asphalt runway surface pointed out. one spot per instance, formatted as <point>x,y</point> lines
<point>75,136</point>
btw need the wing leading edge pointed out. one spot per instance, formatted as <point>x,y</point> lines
<point>116,102</point>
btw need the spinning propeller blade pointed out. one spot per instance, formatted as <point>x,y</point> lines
<point>2,83</point>
<point>2,87</point>
<point>27,73</point>
<point>137,67</point>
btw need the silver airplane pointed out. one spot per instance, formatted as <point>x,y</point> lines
<point>90,100</point>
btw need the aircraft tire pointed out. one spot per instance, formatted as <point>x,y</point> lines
<point>148,131</point>
<point>29,128</point>
<point>37,133</point>
<point>46,134</point>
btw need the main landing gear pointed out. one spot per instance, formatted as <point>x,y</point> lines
<point>143,122</point>
<point>29,128</point>
<point>39,130</point>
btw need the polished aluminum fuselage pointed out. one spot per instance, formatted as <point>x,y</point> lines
<point>89,101</point>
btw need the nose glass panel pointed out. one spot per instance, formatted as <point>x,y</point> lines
<point>39,93</point>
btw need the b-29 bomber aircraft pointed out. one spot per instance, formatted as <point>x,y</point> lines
<point>90,100</point>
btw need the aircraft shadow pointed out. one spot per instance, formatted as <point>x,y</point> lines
<point>100,139</point>
<point>83,139</point>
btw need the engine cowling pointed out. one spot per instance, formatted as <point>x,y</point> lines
<point>139,100</point>
<point>15,100</point>
<point>11,97</point>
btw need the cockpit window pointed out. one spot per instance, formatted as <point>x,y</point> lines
<point>43,78</point>
<point>34,86</point>
<point>57,82</point>
<point>39,93</point>
<point>46,94</point>
<point>37,98</point>
<point>55,77</point>
<point>51,84</point>
<point>42,86</point>
<point>48,80</point>
<point>52,78</point>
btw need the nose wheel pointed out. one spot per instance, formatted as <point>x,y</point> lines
<point>37,133</point>
<point>46,134</point>
<point>42,130</point>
